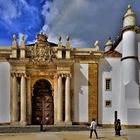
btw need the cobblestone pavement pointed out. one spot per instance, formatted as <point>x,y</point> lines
<point>104,134</point>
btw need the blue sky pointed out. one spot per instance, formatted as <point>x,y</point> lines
<point>85,21</point>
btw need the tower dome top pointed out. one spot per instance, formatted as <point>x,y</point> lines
<point>129,18</point>
<point>109,42</point>
<point>129,12</point>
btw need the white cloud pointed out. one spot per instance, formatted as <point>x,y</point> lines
<point>11,10</point>
<point>31,42</point>
<point>85,21</point>
<point>8,10</point>
<point>45,12</point>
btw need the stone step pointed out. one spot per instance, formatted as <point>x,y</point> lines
<point>30,129</point>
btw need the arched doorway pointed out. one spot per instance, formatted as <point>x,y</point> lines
<point>42,102</point>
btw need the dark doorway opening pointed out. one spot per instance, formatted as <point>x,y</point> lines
<point>42,103</point>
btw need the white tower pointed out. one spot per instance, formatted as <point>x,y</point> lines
<point>130,107</point>
<point>129,48</point>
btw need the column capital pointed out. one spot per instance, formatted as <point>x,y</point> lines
<point>68,75</point>
<point>63,75</point>
<point>59,75</point>
<point>22,74</point>
<point>13,74</point>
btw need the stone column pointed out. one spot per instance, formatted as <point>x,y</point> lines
<point>15,108</point>
<point>29,101</point>
<point>55,99</point>
<point>67,100</point>
<point>59,101</point>
<point>23,101</point>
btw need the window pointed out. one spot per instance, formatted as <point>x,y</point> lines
<point>108,103</point>
<point>108,84</point>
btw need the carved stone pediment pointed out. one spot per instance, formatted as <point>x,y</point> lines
<point>41,52</point>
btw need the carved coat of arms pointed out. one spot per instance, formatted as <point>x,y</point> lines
<point>41,51</point>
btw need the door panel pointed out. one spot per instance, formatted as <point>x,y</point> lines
<point>48,110</point>
<point>36,109</point>
<point>43,108</point>
<point>42,102</point>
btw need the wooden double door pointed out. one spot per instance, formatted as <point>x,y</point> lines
<point>42,104</point>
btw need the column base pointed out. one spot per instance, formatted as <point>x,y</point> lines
<point>63,123</point>
<point>23,123</point>
<point>59,123</point>
<point>68,122</point>
<point>15,123</point>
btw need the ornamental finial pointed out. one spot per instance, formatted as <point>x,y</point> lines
<point>14,37</point>
<point>22,37</point>
<point>59,38</point>
<point>67,38</point>
<point>129,6</point>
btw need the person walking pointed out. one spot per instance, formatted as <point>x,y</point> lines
<point>93,128</point>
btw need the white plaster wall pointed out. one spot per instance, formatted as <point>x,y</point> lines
<point>138,42</point>
<point>81,92</point>
<point>130,88</point>
<point>129,44</point>
<point>129,21</point>
<point>119,47</point>
<point>133,116</point>
<point>109,68</point>
<point>4,92</point>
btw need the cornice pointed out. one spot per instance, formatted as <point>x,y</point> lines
<point>16,61</point>
<point>112,54</point>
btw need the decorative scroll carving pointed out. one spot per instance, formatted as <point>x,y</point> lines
<point>41,52</point>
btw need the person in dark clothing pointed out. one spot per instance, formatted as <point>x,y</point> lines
<point>117,127</point>
<point>41,125</point>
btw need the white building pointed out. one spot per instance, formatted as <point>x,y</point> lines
<point>63,85</point>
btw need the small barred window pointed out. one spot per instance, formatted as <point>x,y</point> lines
<point>108,84</point>
<point>108,103</point>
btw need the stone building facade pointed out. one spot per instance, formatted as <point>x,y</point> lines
<point>64,85</point>
<point>42,81</point>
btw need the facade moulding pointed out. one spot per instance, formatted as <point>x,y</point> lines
<point>128,28</point>
<point>129,57</point>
